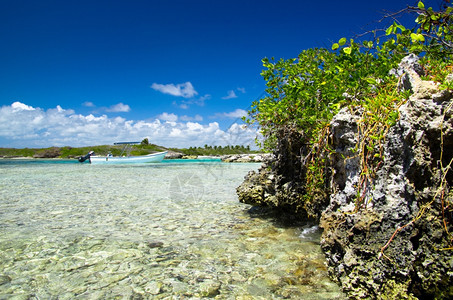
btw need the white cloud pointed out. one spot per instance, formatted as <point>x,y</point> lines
<point>185,104</point>
<point>168,117</point>
<point>194,126</point>
<point>200,101</point>
<point>231,95</point>
<point>120,107</point>
<point>195,118</point>
<point>185,90</point>
<point>17,106</point>
<point>88,104</point>
<point>236,114</point>
<point>26,126</point>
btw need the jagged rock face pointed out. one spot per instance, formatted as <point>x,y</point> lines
<point>279,183</point>
<point>258,188</point>
<point>412,264</point>
<point>391,249</point>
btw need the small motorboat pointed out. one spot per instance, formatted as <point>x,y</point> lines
<point>123,159</point>
<point>150,158</point>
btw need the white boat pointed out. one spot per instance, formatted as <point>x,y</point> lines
<point>109,159</point>
<point>123,159</point>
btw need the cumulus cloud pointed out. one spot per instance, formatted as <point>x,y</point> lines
<point>17,106</point>
<point>236,114</point>
<point>120,107</point>
<point>240,134</point>
<point>231,95</point>
<point>22,125</point>
<point>197,118</point>
<point>168,117</point>
<point>185,90</point>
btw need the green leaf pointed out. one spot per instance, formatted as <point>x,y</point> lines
<point>417,37</point>
<point>335,46</point>
<point>421,5</point>
<point>401,27</point>
<point>426,26</point>
<point>347,50</point>
<point>370,80</point>
<point>389,30</point>
<point>342,41</point>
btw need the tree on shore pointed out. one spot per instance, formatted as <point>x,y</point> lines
<point>145,142</point>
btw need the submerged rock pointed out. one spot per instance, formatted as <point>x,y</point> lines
<point>153,244</point>
<point>153,287</point>
<point>209,288</point>
<point>4,279</point>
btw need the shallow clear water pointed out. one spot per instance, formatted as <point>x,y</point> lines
<point>161,231</point>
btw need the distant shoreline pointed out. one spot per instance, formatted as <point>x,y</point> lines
<point>68,152</point>
<point>230,158</point>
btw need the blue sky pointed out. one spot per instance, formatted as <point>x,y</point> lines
<point>180,73</point>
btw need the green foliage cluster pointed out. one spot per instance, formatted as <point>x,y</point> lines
<point>142,149</point>
<point>11,152</point>
<point>73,152</point>
<point>216,150</point>
<point>307,91</point>
<point>115,150</point>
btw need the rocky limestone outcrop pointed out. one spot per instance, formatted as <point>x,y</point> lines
<point>173,155</point>
<point>395,248</point>
<point>52,152</point>
<point>246,158</point>
<point>391,250</point>
<point>279,181</point>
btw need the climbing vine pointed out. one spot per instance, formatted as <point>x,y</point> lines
<point>380,112</point>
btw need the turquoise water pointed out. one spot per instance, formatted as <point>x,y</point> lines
<point>74,161</point>
<point>173,230</point>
